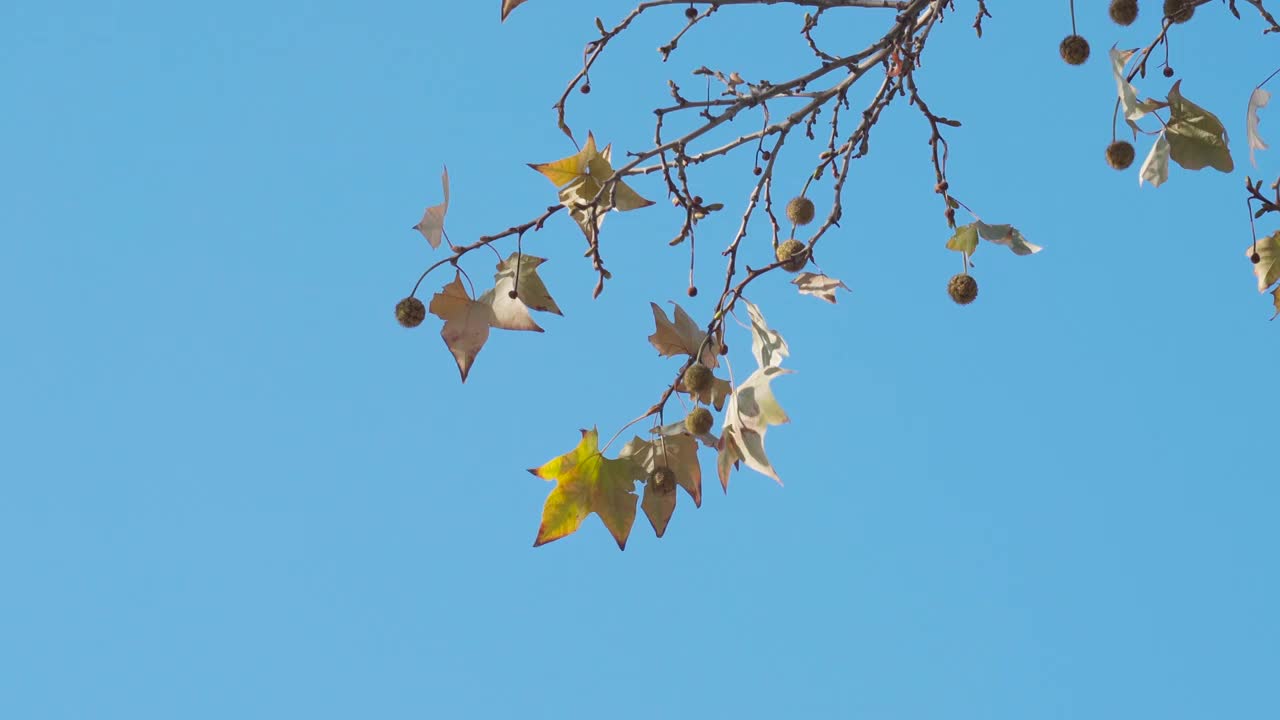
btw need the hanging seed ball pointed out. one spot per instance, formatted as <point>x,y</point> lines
<point>793,255</point>
<point>963,288</point>
<point>697,378</point>
<point>800,210</point>
<point>1120,154</point>
<point>1124,12</point>
<point>1255,258</point>
<point>662,480</point>
<point>1074,49</point>
<point>692,291</point>
<point>698,421</point>
<point>757,170</point>
<point>1179,11</point>
<point>691,12</point>
<point>1168,71</point>
<point>585,89</point>
<point>410,312</point>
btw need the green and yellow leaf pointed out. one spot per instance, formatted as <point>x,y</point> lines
<point>1197,138</point>
<point>1267,269</point>
<point>587,482</point>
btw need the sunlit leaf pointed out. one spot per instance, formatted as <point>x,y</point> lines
<point>1134,109</point>
<point>819,286</point>
<point>1155,169</point>
<point>432,223</point>
<point>683,337</point>
<point>1197,138</point>
<point>530,289</point>
<point>752,409</point>
<point>678,454</point>
<point>466,323</point>
<point>1257,99</point>
<point>1007,235</point>
<point>767,346</point>
<point>965,239</point>
<point>581,177</point>
<point>587,482</point>
<point>1267,269</point>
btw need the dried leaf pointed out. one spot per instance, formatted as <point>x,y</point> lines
<point>1267,269</point>
<point>581,177</point>
<point>432,223</point>
<point>678,454</point>
<point>466,323</point>
<point>819,286</point>
<point>1257,99</point>
<point>1134,109</point>
<point>767,346</point>
<point>509,5</point>
<point>1197,139</point>
<point>752,409</point>
<point>529,290</point>
<point>1155,169</point>
<point>587,482</point>
<point>1007,235</point>
<point>682,338</point>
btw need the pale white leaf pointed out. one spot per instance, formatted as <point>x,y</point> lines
<point>1009,236</point>
<point>1155,169</point>
<point>1257,99</point>
<point>1134,109</point>
<point>819,286</point>
<point>767,346</point>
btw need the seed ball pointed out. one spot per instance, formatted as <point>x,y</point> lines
<point>793,255</point>
<point>1074,49</point>
<point>765,154</point>
<point>512,294</point>
<point>692,291</point>
<point>585,89</point>
<point>1168,71</point>
<point>697,378</point>
<point>724,349</point>
<point>962,288</point>
<point>800,210</point>
<point>757,170</point>
<point>1124,12</point>
<point>698,421</point>
<point>410,312</point>
<point>1255,258</point>
<point>1120,154</point>
<point>662,480</point>
<point>691,12</point>
<point>1179,11</point>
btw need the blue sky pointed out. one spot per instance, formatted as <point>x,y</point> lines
<point>232,486</point>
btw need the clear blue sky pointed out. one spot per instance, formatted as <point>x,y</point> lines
<point>232,487</point>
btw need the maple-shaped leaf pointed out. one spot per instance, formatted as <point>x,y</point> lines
<point>679,455</point>
<point>1155,169</point>
<point>581,177</point>
<point>1197,138</point>
<point>819,286</point>
<point>1257,99</point>
<point>1267,269</point>
<point>509,5</point>
<point>1134,109</point>
<point>1007,235</point>
<point>432,223</point>
<point>528,285</point>
<point>588,482</point>
<point>507,313</point>
<point>767,346</point>
<point>752,409</point>
<point>683,337</point>
<point>466,323</point>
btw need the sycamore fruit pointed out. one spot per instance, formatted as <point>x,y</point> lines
<point>663,480</point>
<point>697,379</point>
<point>962,288</point>
<point>1124,12</point>
<point>698,421</point>
<point>793,255</point>
<point>1074,49</point>
<point>800,210</point>
<point>1179,11</point>
<point>410,312</point>
<point>1120,154</point>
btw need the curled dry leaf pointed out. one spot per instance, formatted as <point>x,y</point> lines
<point>1257,99</point>
<point>1155,169</point>
<point>683,337</point>
<point>432,223</point>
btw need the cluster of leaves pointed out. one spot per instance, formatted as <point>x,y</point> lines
<point>589,186</point>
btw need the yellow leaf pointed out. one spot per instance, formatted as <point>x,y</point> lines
<point>587,482</point>
<point>565,170</point>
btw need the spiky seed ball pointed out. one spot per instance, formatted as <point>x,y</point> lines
<point>793,255</point>
<point>410,312</point>
<point>800,210</point>
<point>663,480</point>
<point>962,288</point>
<point>698,421</point>
<point>697,378</point>
<point>1124,12</point>
<point>1074,49</point>
<point>1120,154</point>
<point>1179,11</point>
